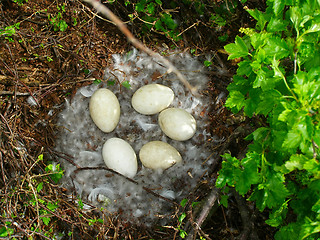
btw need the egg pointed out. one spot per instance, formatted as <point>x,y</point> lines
<point>152,98</point>
<point>119,156</point>
<point>159,155</point>
<point>177,124</point>
<point>104,109</point>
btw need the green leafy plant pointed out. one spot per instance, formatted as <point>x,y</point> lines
<point>55,172</point>
<point>278,78</point>
<point>183,203</point>
<point>6,230</point>
<point>57,21</point>
<point>9,31</point>
<point>182,232</point>
<point>20,2</point>
<point>154,17</point>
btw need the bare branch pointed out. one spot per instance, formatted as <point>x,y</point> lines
<point>211,200</point>
<point>135,42</point>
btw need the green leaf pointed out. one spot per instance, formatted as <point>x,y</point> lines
<point>158,25</point>
<point>140,5</point>
<point>276,48</point>
<point>63,25</point>
<point>305,125</point>
<point>10,30</point>
<point>235,100</point>
<point>260,78</point>
<point>158,2</point>
<point>278,215</point>
<point>182,216</point>
<point>226,174</point>
<point>6,231</point>
<point>151,8</point>
<point>97,81</point>
<point>259,16</point>
<point>80,203</point>
<point>252,102</point>
<point>111,82</point>
<point>52,206</point>
<point>224,200</point>
<point>194,204</point>
<point>310,228</point>
<point>237,49</point>
<point>168,21</point>
<point>126,84</point>
<point>269,99</point>
<point>276,25</point>
<point>249,175</point>
<point>316,207</point>
<point>278,72</point>
<point>39,187</point>
<point>182,233</point>
<point>289,232</point>
<point>312,165</point>
<point>296,162</point>
<point>272,192</point>
<point>46,220</point>
<point>278,6</point>
<point>55,172</point>
<point>244,68</point>
<point>315,27</point>
<point>259,134</point>
<point>183,202</point>
<point>292,140</point>
<point>207,63</point>
<point>258,39</point>
<point>40,157</point>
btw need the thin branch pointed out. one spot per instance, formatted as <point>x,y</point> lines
<point>209,204</point>
<point>12,93</point>
<point>211,200</point>
<point>135,42</point>
<point>127,178</point>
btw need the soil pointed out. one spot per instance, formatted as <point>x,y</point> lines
<point>41,66</point>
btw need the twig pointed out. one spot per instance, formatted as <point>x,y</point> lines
<point>12,93</point>
<point>205,212</point>
<point>6,122</point>
<point>209,204</point>
<point>129,179</point>
<point>65,156</point>
<point>196,23</point>
<point>135,42</point>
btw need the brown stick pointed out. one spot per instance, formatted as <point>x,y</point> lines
<point>127,178</point>
<point>211,200</point>
<point>135,42</point>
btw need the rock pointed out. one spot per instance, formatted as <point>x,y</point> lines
<point>151,99</point>
<point>104,109</point>
<point>177,124</point>
<point>157,154</point>
<point>119,156</point>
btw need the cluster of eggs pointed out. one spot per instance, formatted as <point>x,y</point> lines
<point>150,99</point>
<point>81,142</point>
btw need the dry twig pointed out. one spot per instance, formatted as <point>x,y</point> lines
<point>211,200</point>
<point>129,179</point>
